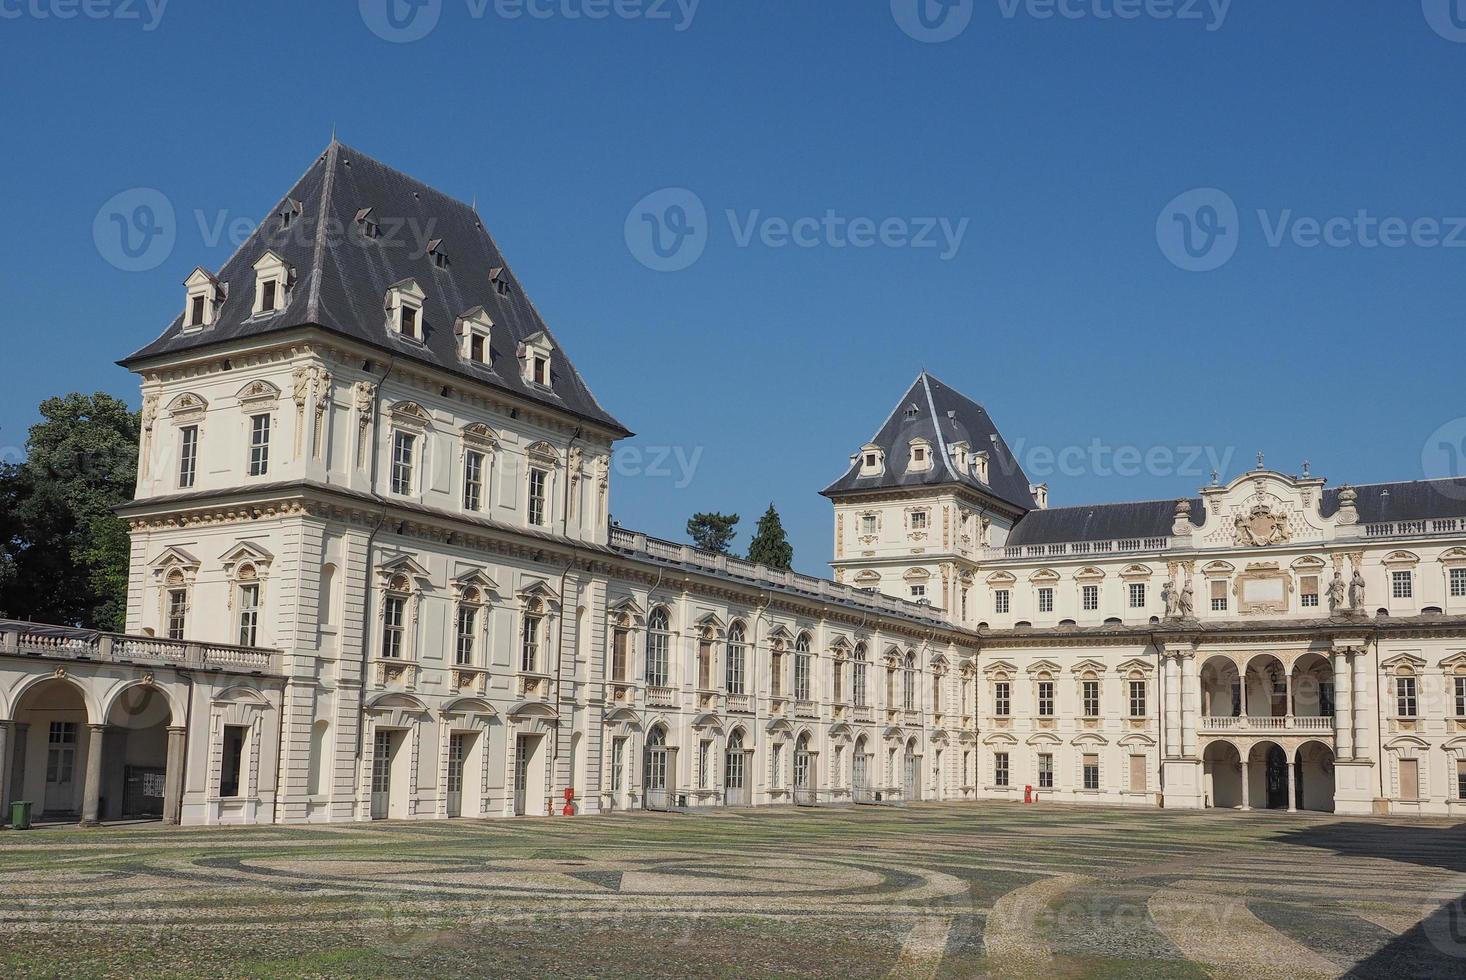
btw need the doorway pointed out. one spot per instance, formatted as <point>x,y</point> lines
<point>529,775</point>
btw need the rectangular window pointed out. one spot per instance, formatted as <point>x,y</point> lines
<point>1458,583</point>
<point>188,456</point>
<point>1045,600</point>
<point>1000,601</point>
<point>868,526</point>
<point>618,765</point>
<point>478,349</point>
<point>259,445</point>
<point>704,763</point>
<point>918,592</point>
<point>1091,598</point>
<point>705,665</point>
<point>1046,699</point>
<point>249,614</point>
<point>1461,697</point>
<point>776,761</point>
<point>473,481</point>
<point>196,312</point>
<point>231,771</point>
<point>409,321</point>
<point>1308,592</point>
<point>1461,779</point>
<point>1000,769</point>
<point>1137,595</point>
<point>1405,701</point>
<point>1409,779</point>
<point>1091,692</point>
<point>61,752</point>
<point>467,634</point>
<point>393,608</point>
<point>268,292</point>
<point>918,520</point>
<point>1137,699</point>
<point>1219,596</point>
<point>1002,699</point>
<point>1402,585</point>
<point>538,481</point>
<point>1045,771</point>
<point>177,613</point>
<point>404,458</point>
<point>1137,774</point>
<point>1091,772</point>
<point>542,372</point>
<point>529,650</point>
<point>620,643</point>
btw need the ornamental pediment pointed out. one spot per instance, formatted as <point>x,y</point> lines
<point>1263,509</point>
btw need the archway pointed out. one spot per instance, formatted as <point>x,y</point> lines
<point>1267,774</point>
<point>1222,766</point>
<point>803,772</point>
<point>860,771</point>
<point>1312,687</point>
<point>135,756</point>
<point>910,782</point>
<point>1221,690</point>
<point>1315,777</point>
<point>735,771</point>
<point>53,748</point>
<point>1266,688</point>
<point>656,770</point>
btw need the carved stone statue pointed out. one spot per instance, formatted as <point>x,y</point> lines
<point>366,400</point>
<point>1356,592</point>
<point>1337,592</point>
<point>1172,600</point>
<point>1188,601</point>
<point>301,382</point>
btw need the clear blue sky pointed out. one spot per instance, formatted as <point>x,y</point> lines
<point>1060,141</point>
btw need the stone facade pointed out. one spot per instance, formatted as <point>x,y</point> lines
<point>366,585</point>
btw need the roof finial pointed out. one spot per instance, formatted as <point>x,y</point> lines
<point>1306,467</point>
<point>1214,476</point>
<point>333,132</point>
<point>1259,461</point>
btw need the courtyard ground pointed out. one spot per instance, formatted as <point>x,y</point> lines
<point>953,890</point>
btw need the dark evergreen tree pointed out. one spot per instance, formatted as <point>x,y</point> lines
<point>770,546</point>
<point>713,532</point>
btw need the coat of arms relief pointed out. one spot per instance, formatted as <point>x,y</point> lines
<point>1261,526</point>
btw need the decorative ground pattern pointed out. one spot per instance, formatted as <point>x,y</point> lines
<point>927,891</point>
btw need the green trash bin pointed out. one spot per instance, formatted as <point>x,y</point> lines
<point>20,815</point>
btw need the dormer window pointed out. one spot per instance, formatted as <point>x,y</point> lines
<point>272,284</point>
<point>289,213</point>
<point>205,293</point>
<point>405,309</point>
<point>980,466</point>
<point>500,279</point>
<point>535,354</point>
<point>436,253</point>
<point>1040,495</point>
<point>872,460</point>
<point>961,455</point>
<point>921,456</point>
<point>473,331</point>
<point>368,224</point>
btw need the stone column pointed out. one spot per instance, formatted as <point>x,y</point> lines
<point>1343,705</point>
<point>7,752</point>
<point>92,797</point>
<point>1292,795</point>
<point>1288,696</point>
<point>1246,802</point>
<point>173,778</point>
<point>1360,699</point>
<point>1174,748</point>
<point>1190,671</point>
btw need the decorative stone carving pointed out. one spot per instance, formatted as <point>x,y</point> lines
<point>1188,601</point>
<point>1261,526</point>
<point>1357,592</point>
<point>1172,600</point>
<point>1348,509</point>
<point>1337,593</point>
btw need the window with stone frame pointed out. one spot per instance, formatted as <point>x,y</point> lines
<point>394,618</point>
<point>1091,772</point>
<point>1001,601</point>
<point>705,660</point>
<point>404,463</point>
<point>176,606</point>
<point>736,669</point>
<point>1137,699</point>
<point>1090,697</point>
<point>1000,769</point>
<point>1219,601</point>
<point>802,668</point>
<point>658,648</point>
<point>188,456</point>
<point>1045,770</point>
<point>1137,595</point>
<point>1091,598</point>
<point>539,479</point>
<point>858,667</point>
<point>1308,591</point>
<point>469,628</point>
<point>908,685</point>
<point>474,466</point>
<point>1046,599</point>
<point>1460,696</point>
<point>259,444</point>
<point>1002,699</point>
<point>1458,583</point>
<point>248,599</point>
<point>1045,699</point>
<point>531,636</point>
<point>620,653</point>
<point>1402,584</point>
<point>1406,699</point>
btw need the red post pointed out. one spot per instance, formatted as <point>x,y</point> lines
<point>1028,794</point>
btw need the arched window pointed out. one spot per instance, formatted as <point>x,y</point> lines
<point>658,646</point>
<point>801,668</point>
<point>858,670</point>
<point>737,665</point>
<point>908,685</point>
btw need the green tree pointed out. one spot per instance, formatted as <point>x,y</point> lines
<point>63,553</point>
<point>770,546</point>
<point>713,532</point>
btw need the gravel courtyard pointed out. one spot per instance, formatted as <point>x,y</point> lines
<point>951,890</point>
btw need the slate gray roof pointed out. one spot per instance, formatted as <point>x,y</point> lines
<point>342,278</point>
<point>1101,522</point>
<point>943,416</point>
<point>1411,501</point>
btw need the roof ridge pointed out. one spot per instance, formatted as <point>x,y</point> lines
<point>926,380</point>
<point>318,255</point>
<point>1119,503</point>
<point>416,181</point>
<point>1396,483</point>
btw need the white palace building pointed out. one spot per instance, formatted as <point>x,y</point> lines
<point>374,576</point>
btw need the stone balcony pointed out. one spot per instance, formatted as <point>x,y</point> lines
<point>740,703</point>
<point>56,643</point>
<point>1247,724</point>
